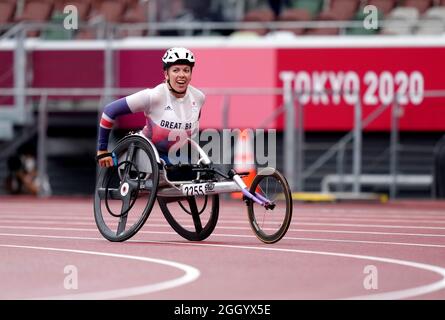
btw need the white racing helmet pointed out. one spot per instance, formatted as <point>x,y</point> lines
<point>178,55</point>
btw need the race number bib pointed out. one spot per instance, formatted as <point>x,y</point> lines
<point>197,189</point>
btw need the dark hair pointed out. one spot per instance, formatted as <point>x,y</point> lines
<point>181,61</point>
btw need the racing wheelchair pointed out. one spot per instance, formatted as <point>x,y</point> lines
<point>126,192</point>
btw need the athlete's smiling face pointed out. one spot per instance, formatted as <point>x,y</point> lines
<point>180,76</point>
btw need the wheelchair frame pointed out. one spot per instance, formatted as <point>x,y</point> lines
<point>234,182</point>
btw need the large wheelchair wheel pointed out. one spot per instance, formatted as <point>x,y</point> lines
<point>192,218</point>
<point>125,194</point>
<point>270,224</point>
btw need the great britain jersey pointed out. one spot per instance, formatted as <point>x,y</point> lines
<point>167,116</point>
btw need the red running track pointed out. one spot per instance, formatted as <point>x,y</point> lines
<point>331,251</point>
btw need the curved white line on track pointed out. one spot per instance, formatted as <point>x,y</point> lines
<point>391,295</point>
<point>191,274</point>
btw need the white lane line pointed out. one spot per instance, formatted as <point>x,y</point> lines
<point>404,211</point>
<point>368,225</point>
<point>426,245</point>
<point>391,295</point>
<point>369,219</point>
<point>53,217</point>
<point>70,207</point>
<point>190,275</point>
<point>299,218</point>
<point>377,214</point>
<point>50,236</point>
<point>370,242</point>
<point>239,228</point>
<point>294,223</point>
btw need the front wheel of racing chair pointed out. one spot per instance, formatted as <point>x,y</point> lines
<point>270,223</point>
<point>125,193</point>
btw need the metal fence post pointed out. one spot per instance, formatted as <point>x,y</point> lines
<point>45,188</point>
<point>299,146</point>
<point>20,75</point>
<point>225,125</point>
<point>394,145</point>
<point>152,9</point>
<point>289,134</point>
<point>108,67</point>
<point>357,156</point>
<point>340,166</point>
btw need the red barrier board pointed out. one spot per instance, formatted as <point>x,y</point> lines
<point>379,74</point>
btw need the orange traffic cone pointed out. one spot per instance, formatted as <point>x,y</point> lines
<point>244,159</point>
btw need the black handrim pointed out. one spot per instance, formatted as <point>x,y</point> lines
<point>123,233</point>
<point>135,196</point>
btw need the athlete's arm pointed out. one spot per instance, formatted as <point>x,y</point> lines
<point>133,103</point>
<point>109,115</point>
